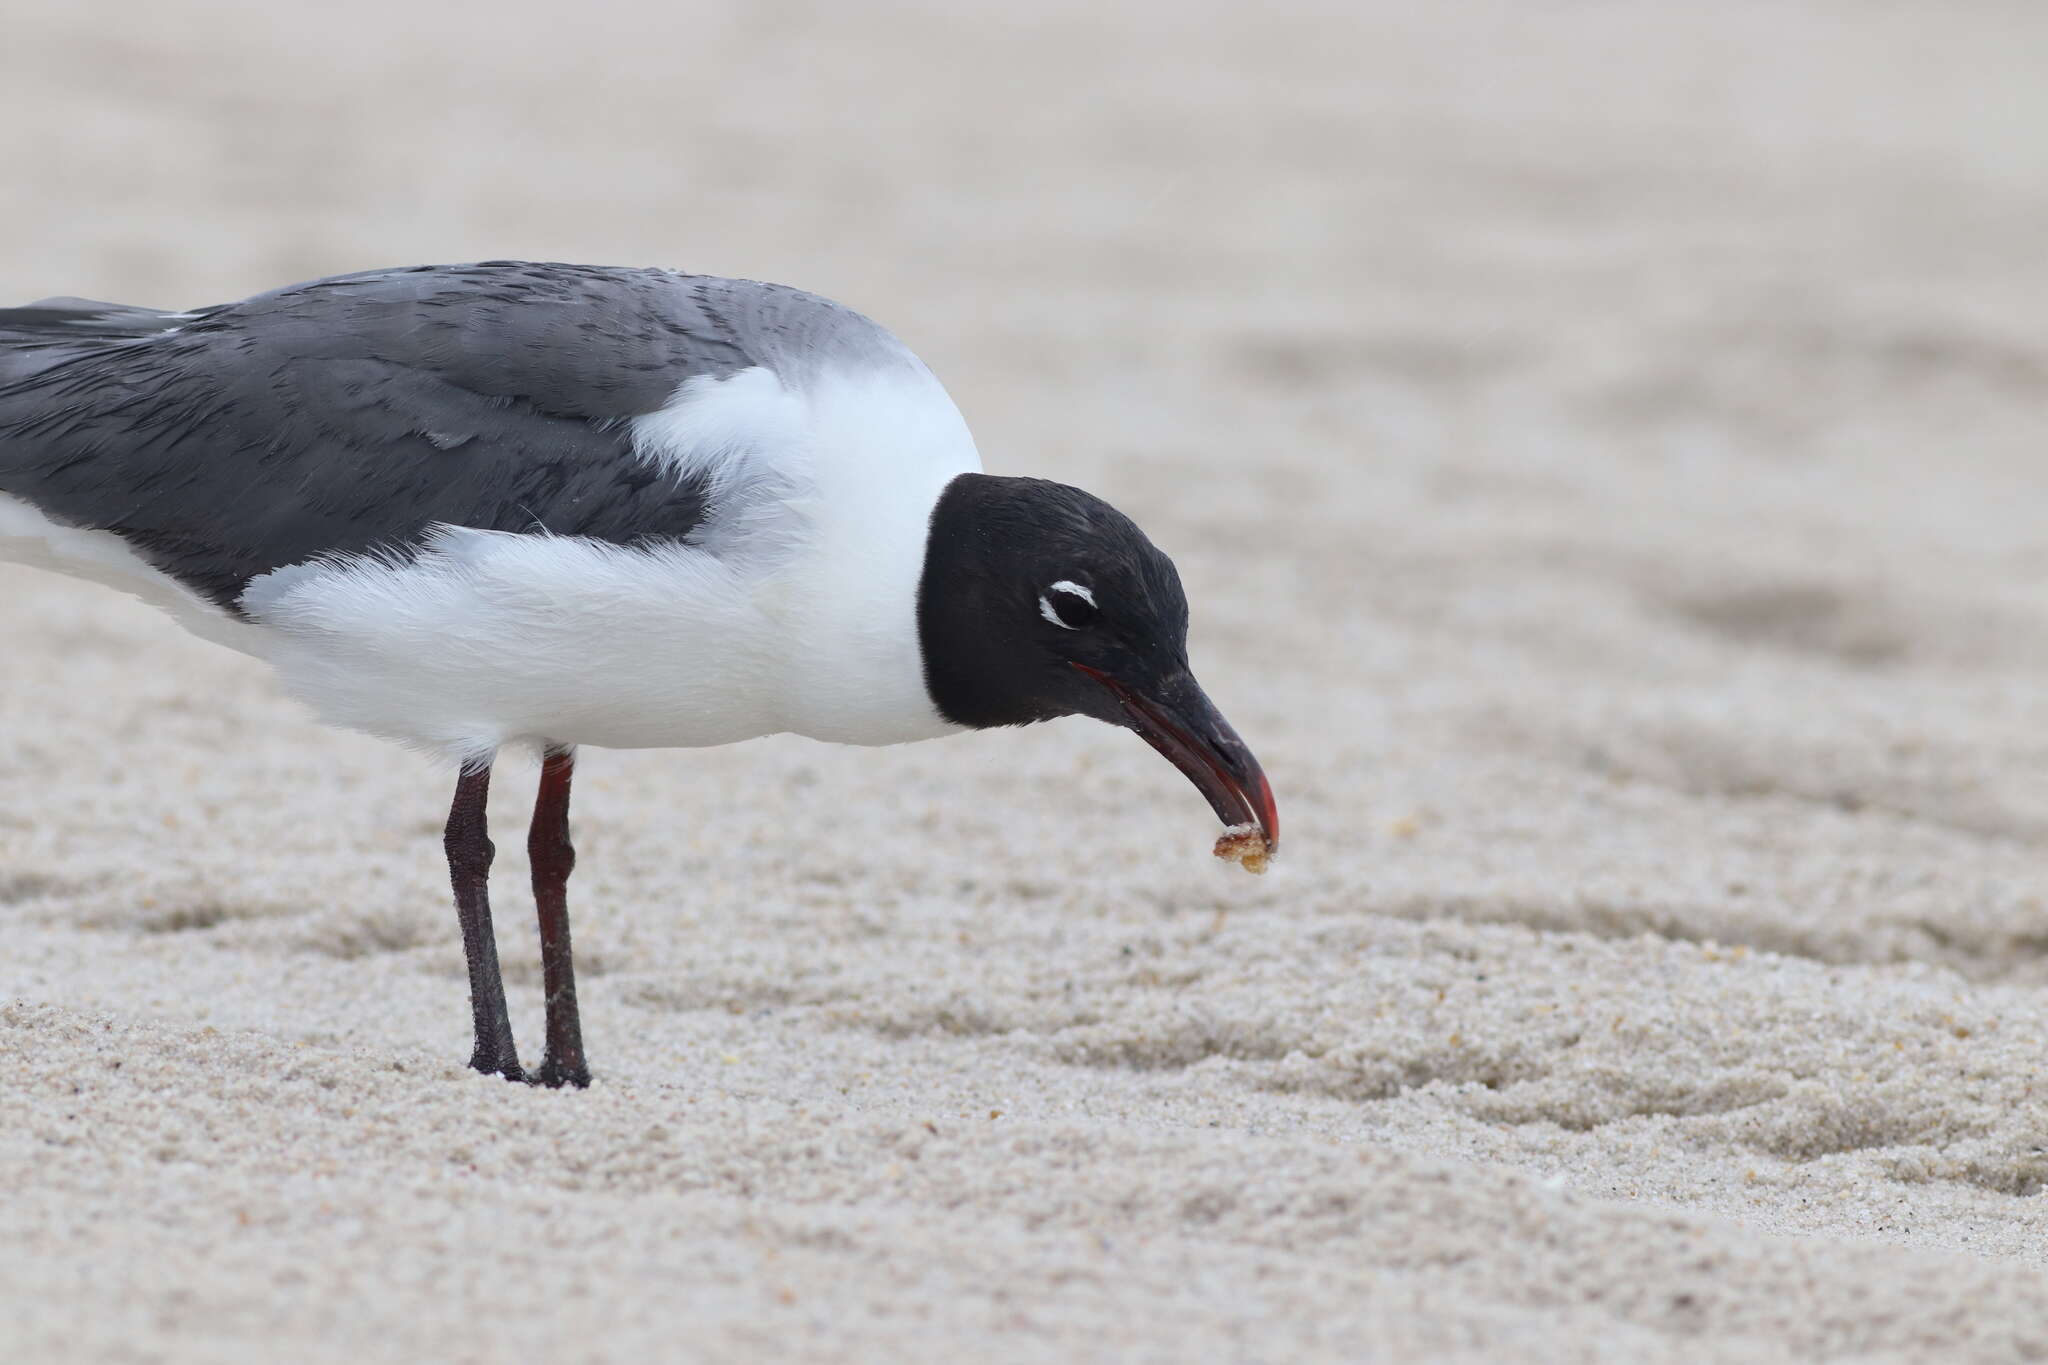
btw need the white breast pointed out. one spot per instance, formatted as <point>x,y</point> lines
<point>793,608</point>
<point>886,446</point>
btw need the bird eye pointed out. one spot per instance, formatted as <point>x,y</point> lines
<point>1068,605</point>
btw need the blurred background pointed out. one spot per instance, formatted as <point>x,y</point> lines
<point>1545,399</point>
<point>1603,442</point>
<point>1328,224</point>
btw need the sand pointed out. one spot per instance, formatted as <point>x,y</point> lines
<point>1603,443</point>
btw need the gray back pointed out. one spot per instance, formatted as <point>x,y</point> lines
<point>354,413</point>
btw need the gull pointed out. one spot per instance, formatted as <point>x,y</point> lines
<point>509,505</point>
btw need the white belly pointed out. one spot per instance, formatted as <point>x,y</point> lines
<point>490,639</point>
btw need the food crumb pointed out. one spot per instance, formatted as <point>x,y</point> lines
<point>1245,846</point>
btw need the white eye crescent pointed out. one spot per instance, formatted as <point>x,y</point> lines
<point>1067,588</point>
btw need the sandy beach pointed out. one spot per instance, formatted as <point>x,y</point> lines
<point>1603,445</point>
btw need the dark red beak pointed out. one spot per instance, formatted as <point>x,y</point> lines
<point>1182,723</point>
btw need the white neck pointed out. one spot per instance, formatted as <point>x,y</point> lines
<point>833,487</point>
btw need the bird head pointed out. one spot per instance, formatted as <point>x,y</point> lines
<point>1039,600</point>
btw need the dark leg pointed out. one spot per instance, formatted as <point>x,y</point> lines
<point>468,842</point>
<point>547,843</point>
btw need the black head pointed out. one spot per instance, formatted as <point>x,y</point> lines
<point>1039,600</point>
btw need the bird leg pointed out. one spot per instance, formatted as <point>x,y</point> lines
<point>553,857</point>
<point>468,842</point>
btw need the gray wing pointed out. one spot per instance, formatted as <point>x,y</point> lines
<point>354,413</point>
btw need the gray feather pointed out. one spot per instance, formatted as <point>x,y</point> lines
<point>354,413</point>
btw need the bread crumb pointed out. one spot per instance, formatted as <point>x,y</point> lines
<point>1245,846</point>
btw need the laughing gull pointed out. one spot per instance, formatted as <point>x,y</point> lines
<point>535,506</point>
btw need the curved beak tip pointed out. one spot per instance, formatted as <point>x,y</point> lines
<point>1186,727</point>
<point>1253,845</point>
<point>1269,815</point>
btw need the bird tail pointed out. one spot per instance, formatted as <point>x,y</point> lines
<point>34,340</point>
<point>51,331</point>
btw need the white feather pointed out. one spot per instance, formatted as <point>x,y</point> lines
<point>28,537</point>
<point>488,638</point>
<point>793,608</point>
<point>750,436</point>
